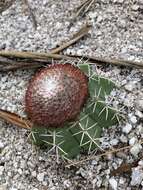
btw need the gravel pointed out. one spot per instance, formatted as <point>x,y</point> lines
<point>113,183</point>
<point>118,33</point>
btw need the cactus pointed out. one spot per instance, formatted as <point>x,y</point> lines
<point>83,134</point>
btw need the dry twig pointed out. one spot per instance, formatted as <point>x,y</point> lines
<point>32,16</point>
<point>109,152</point>
<point>15,119</point>
<point>82,9</point>
<point>7,64</point>
<point>76,37</point>
<point>118,62</point>
<point>10,60</point>
<point>42,57</point>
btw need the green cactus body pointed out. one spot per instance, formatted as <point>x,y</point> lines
<point>82,135</point>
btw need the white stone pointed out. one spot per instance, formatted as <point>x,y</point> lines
<point>67,184</point>
<point>113,183</point>
<point>1,145</point>
<point>20,171</point>
<point>140,163</point>
<point>127,128</point>
<point>99,18</point>
<point>132,141</point>
<point>58,25</point>
<point>44,183</point>
<point>45,2</point>
<point>119,1</point>
<point>34,173</point>
<point>1,170</point>
<point>94,162</point>
<point>99,182</point>
<point>139,104</point>
<point>139,114</point>
<point>135,150</point>
<point>40,177</point>
<point>122,23</point>
<point>114,142</point>
<point>129,86</point>
<point>135,7</point>
<point>93,15</point>
<point>22,164</point>
<point>122,181</point>
<point>94,181</point>
<point>124,50</point>
<point>123,138</point>
<point>82,172</point>
<point>129,100</point>
<point>137,177</point>
<point>140,129</point>
<point>133,119</point>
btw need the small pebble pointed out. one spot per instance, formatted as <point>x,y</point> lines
<point>139,104</point>
<point>1,170</point>
<point>135,150</point>
<point>132,141</point>
<point>137,177</point>
<point>114,142</point>
<point>1,145</point>
<point>34,174</point>
<point>139,114</point>
<point>67,184</point>
<point>123,139</point>
<point>130,86</point>
<point>40,177</point>
<point>133,119</point>
<point>113,183</point>
<point>127,128</point>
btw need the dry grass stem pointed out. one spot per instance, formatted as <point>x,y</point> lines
<point>32,16</point>
<point>15,119</point>
<point>118,62</point>
<point>7,64</point>
<point>113,151</point>
<point>34,56</point>
<point>83,8</point>
<point>80,34</point>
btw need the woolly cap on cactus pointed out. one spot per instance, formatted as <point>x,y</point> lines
<point>56,95</point>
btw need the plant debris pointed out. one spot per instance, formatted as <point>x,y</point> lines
<point>4,5</point>
<point>32,16</point>
<point>125,168</point>
<point>15,119</point>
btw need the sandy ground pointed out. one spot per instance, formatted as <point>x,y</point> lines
<point>117,32</point>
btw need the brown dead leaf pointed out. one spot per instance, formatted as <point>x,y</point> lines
<point>125,168</point>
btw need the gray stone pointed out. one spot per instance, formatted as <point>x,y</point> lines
<point>135,150</point>
<point>139,104</point>
<point>113,183</point>
<point>127,128</point>
<point>40,177</point>
<point>137,177</point>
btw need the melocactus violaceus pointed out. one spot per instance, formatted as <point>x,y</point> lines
<point>56,95</point>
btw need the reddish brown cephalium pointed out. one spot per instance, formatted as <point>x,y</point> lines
<point>56,94</point>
